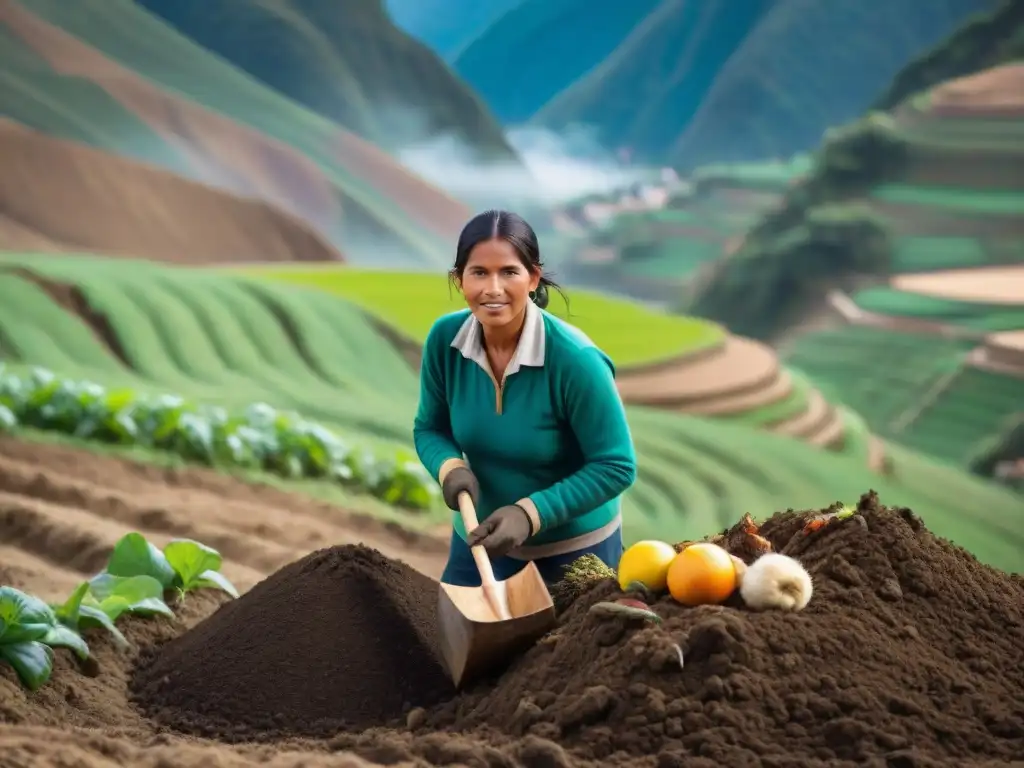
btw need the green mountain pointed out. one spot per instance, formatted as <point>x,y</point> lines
<point>446,25</point>
<point>348,62</point>
<point>532,51</point>
<point>717,81</point>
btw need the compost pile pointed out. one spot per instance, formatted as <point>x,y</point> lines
<point>908,654</point>
<point>342,639</point>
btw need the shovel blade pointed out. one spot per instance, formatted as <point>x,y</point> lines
<point>474,640</point>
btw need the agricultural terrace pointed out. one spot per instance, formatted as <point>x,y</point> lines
<point>653,252</point>
<point>411,302</point>
<point>944,189</point>
<point>299,400</point>
<point>666,361</point>
<point>917,388</point>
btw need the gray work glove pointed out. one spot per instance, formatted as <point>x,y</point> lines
<point>503,531</point>
<point>455,482</point>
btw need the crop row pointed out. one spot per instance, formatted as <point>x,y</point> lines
<point>215,339</point>
<point>137,577</point>
<point>259,437</point>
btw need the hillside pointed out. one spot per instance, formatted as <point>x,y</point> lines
<point>934,185</point>
<point>893,274</point>
<point>526,55</point>
<point>350,64</point>
<point>58,195</point>
<point>986,41</point>
<point>652,252</point>
<point>233,341</point>
<point>179,107</point>
<point>697,83</point>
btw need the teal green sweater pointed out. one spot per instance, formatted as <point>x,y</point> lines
<point>552,437</point>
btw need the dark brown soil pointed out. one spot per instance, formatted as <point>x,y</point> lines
<point>342,639</point>
<point>908,655</point>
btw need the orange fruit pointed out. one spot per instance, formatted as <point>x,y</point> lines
<point>646,562</point>
<point>701,574</point>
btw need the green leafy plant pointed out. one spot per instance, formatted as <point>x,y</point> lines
<point>259,438</point>
<point>196,566</point>
<point>137,576</point>
<point>29,631</point>
<point>184,564</point>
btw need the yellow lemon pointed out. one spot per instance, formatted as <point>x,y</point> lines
<point>646,562</point>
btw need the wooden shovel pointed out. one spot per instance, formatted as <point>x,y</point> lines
<point>482,627</point>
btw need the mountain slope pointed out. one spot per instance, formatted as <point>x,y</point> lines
<point>191,112</point>
<point>987,40</point>
<point>348,63</point>
<point>60,195</point>
<point>446,25</point>
<point>525,56</point>
<point>712,82</point>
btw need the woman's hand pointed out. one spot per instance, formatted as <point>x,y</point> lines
<point>458,480</point>
<point>503,531</point>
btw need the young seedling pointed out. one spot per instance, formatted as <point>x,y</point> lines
<point>29,631</point>
<point>196,566</point>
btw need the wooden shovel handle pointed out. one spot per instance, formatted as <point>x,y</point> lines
<point>469,521</point>
<point>495,596</point>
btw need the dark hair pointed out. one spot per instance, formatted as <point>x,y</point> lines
<point>513,229</point>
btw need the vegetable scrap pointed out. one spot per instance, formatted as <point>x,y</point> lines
<point>634,609</point>
<point>818,522</point>
<point>581,574</point>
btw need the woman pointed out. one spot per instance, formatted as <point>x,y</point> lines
<point>520,410</point>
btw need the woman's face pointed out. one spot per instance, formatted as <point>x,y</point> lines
<point>496,284</point>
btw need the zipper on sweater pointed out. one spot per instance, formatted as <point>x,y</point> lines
<point>499,391</point>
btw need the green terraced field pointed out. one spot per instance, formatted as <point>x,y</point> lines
<point>973,316</point>
<point>932,254</point>
<point>123,31</point>
<point>972,408</point>
<point>231,340</point>
<point>628,332</point>
<point>910,388</point>
<point>224,341</point>
<point>765,175</point>
<point>877,373</point>
<point>969,201</point>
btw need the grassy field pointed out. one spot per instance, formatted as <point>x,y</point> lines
<point>628,332</point>
<point>232,340</point>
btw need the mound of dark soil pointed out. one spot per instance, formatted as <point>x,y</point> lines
<point>342,639</point>
<point>909,653</point>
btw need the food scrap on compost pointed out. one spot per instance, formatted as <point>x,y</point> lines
<point>633,609</point>
<point>820,521</point>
